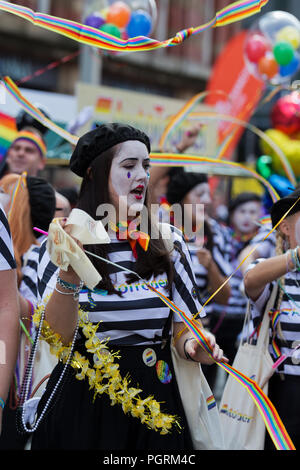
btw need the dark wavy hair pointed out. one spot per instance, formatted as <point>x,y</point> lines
<point>93,192</point>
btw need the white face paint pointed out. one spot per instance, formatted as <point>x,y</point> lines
<point>195,200</point>
<point>200,194</point>
<point>245,216</point>
<point>129,176</point>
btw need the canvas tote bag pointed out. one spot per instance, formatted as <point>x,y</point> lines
<point>199,404</point>
<point>244,428</point>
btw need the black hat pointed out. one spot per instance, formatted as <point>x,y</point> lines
<point>97,141</point>
<point>280,207</point>
<point>42,202</point>
<point>181,184</point>
<point>242,198</point>
<point>24,119</point>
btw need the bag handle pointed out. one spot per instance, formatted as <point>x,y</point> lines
<point>263,337</point>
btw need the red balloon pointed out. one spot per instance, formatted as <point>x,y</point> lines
<point>285,115</point>
<point>256,47</point>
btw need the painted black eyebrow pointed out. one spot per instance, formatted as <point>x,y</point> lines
<point>134,159</point>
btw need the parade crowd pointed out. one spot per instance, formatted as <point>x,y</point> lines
<point>103,375</point>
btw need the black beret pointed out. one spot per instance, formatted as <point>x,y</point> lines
<point>280,207</point>
<point>42,202</point>
<point>242,198</point>
<point>182,183</point>
<point>100,139</point>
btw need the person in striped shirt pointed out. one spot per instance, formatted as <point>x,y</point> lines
<point>29,202</point>
<point>9,311</point>
<point>244,212</point>
<point>113,160</point>
<point>260,279</point>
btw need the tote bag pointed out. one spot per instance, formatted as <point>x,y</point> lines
<point>199,404</point>
<point>244,428</point>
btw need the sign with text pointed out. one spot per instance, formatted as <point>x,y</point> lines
<point>148,112</point>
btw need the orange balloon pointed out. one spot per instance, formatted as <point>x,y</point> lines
<point>268,66</point>
<point>119,14</point>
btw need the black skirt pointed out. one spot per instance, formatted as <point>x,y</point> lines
<point>76,421</point>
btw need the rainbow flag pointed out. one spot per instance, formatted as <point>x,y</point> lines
<point>8,132</point>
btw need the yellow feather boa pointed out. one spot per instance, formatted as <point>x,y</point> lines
<point>104,376</point>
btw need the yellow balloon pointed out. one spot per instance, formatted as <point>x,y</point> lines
<point>291,148</point>
<point>289,34</point>
<point>104,12</point>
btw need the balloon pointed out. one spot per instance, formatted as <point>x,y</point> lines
<point>140,24</point>
<point>95,20</point>
<point>273,38</point>
<point>264,166</point>
<point>291,148</point>
<point>291,68</point>
<point>289,34</point>
<point>285,114</point>
<point>256,47</point>
<point>119,14</point>
<point>268,67</point>
<point>281,184</point>
<point>283,52</point>
<point>111,29</point>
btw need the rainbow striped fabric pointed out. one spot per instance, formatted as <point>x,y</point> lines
<point>274,425</point>
<point>15,92</point>
<point>211,402</point>
<point>234,12</point>
<point>8,132</point>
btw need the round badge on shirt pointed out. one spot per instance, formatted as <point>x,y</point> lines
<point>149,357</point>
<point>163,372</point>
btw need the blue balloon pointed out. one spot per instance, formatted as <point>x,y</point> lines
<point>291,68</point>
<point>281,184</point>
<point>140,24</point>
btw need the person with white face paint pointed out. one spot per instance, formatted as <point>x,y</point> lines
<point>227,321</point>
<point>208,242</point>
<point>260,279</point>
<point>189,197</point>
<point>121,310</point>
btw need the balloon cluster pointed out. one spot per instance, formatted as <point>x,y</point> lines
<point>272,47</point>
<point>285,132</point>
<point>283,186</point>
<point>123,19</point>
<point>285,118</point>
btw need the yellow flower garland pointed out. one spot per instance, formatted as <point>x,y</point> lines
<point>104,376</point>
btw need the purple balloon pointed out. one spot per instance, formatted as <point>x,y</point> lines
<point>95,20</point>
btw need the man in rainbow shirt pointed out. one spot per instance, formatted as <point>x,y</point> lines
<point>26,153</point>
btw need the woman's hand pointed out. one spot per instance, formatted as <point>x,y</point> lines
<point>196,352</point>
<point>205,258</point>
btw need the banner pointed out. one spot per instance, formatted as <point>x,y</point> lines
<point>230,75</point>
<point>148,112</point>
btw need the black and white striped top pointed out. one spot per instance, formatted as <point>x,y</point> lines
<point>266,248</point>
<point>7,257</point>
<point>139,316</point>
<point>237,302</point>
<point>28,286</point>
<point>289,319</point>
<point>221,255</point>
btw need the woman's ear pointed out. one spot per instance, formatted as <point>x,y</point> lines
<point>285,228</point>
